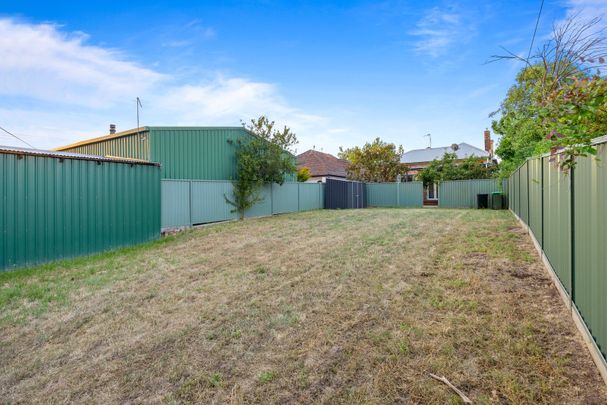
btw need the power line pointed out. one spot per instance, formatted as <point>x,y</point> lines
<point>15,136</point>
<point>537,22</point>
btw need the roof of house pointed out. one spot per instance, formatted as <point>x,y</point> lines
<point>13,150</point>
<point>322,164</point>
<point>463,151</point>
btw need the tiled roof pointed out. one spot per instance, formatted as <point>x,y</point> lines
<point>429,154</point>
<point>322,164</point>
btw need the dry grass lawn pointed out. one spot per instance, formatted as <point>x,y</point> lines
<point>328,307</point>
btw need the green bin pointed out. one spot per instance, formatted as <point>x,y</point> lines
<point>497,200</point>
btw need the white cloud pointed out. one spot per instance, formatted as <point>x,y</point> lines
<point>41,62</point>
<point>588,9</point>
<point>437,31</point>
<point>56,88</point>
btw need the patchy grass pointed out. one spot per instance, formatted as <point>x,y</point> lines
<point>327,306</point>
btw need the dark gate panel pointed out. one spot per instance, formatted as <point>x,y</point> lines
<point>345,194</point>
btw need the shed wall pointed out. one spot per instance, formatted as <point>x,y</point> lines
<point>53,209</point>
<point>135,146</point>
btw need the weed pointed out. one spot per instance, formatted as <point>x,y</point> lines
<point>266,377</point>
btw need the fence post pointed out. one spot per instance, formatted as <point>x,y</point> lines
<point>528,198</point>
<point>398,194</point>
<point>572,232</point>
<point>272,198</point>
<point>190,201</point>
<point>298,197</point>
<point>542,205</point>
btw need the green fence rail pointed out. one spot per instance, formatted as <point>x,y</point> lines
<point>566,215</point>
<point>409,194</point>
<point>59,207</point>
<point>191,202</point>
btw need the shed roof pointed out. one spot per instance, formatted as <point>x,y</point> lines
<point>322,164</point>
<point>12,150</point>
<point>429,154</point>
<point>136,131</point>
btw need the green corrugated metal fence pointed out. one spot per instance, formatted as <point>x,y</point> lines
<point>408,194</point>
<point>462,193</point>
<point>56,208</point>
<point>566,214</point>
<point>189,202</point>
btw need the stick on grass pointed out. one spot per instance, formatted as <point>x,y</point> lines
<point>453,387</point>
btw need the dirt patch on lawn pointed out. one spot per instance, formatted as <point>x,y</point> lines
<point>328,307</point>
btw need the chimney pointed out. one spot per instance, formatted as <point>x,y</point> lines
<point>112,129</point>
<point>488,142</point>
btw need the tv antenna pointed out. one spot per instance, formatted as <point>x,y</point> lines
<point>429,139</point>
<point>139,105</point>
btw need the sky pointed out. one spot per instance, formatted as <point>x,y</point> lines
<point>339,74</point>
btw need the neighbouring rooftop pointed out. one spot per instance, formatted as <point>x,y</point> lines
<point>322,164</point>
<point>462,151</point>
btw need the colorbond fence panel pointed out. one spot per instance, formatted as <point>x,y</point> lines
<point>409,194</point>
<point>190,202</point>
<point>264,207</point>
<point>535,198</point>
<point>557,231</point>
<point>381,194</point>
<point>590,237</point>
<point>524,192</point>
<point>462,193</point>
<point>54,208</point>
<point>567,216</point>
<point>285,198</point>
<point>311,196</point>
<point>175,197</point>
<point>209,201</point>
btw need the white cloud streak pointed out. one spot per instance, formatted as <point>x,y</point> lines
<point>55,88</point>
<point>437,31</point>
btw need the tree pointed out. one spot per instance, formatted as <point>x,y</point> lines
<point>263,158</point>
<point>447,168</point>
<point>303,174</point>
<point>378,161</point>
<point>558,102</point>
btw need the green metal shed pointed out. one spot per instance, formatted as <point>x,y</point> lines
<point>196,153</point>
<point>58,205</point>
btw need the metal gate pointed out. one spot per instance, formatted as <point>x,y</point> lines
<point>345,194</point>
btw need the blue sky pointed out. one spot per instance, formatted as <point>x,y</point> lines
<point>338,73</point>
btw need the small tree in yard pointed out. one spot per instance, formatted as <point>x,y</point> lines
<point>303,174</point>
<point>264,158</point>
<point>378,161</point>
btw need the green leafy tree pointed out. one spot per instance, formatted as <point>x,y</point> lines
<point>557,104</point>
<point>449,168</point>
<point>263,158</point>
<point>378,161</point>
<point>303,174</point>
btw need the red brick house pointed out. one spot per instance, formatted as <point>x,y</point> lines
<point>322,166</point>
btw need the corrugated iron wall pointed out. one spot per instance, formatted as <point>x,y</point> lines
<point>567,215</point>
<point>462,193</point>
<point>190,202</point>
<point>408,194</point>
<point>134,146</point>
<point>58,208</point>
<point>196,153</point>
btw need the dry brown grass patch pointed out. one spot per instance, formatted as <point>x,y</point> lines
<point>326,306</point>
